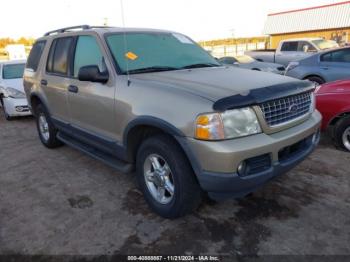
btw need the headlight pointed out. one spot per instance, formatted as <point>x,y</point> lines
<point>14,93</point>
<point>292,65</point>
<point>226,125</point>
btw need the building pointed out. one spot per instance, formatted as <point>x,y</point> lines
<point>328,21</point>
<point>234,46</point>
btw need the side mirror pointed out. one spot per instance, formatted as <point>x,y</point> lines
<point>92,73</point>
<point>236,63</point>
<point>305,48</point>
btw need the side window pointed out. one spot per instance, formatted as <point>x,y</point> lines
<point>340,56</point>
<point>227,60</point>
<point>304,44</point>
<point>35,55</point>
<point>58,57</point>
<point>87,52</point>
<point>327,57</point>
<point>289,47</point>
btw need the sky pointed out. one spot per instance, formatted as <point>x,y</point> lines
<point>199,19</point>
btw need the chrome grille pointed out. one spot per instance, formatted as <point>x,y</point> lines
<point>286,109</point>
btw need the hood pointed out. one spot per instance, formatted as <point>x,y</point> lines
<point>14,83</point>
<point>341,86</point>
<point>215,83</point>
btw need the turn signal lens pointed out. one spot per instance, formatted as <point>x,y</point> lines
<point>209,127</point>
<point>227,125</point>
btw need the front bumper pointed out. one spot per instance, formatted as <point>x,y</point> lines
<point>217,162</point>
<point>16,107</point>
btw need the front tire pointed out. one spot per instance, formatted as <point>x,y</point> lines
<point>342,133</point>
<point>46,130</point>
<point>7,116</point>
<point>315,79</point>
<point>166,177</point>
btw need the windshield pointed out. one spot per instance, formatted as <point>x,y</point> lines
<point>154,52</point>
<point>244,59</point>
<point>325,44</point>
<point>13,71</point>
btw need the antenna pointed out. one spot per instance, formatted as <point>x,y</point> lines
<point>125,41</point>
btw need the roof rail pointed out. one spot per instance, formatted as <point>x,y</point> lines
<point>65,29</point>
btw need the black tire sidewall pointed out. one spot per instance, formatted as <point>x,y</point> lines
<point>52,142</point>
<point>7,116</point>
<point>182,175</point>
<point>339,130</point>
<point>316,79</point>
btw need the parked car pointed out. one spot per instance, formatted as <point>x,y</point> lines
<point>247,62</point>
<point>155,101</point>
<point>12,97</point>
<point>333,101</point>
<point>292,50</point>
<point>322,67</point>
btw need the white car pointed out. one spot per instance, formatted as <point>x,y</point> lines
<point>12,96</point>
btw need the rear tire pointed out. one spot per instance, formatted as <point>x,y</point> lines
<point>46,129</point>
<point>316,79</point>
<point>168,156</point>
<point>342,133</point>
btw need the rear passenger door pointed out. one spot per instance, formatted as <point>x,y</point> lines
<point>56,78</point>
<point>91,104</point>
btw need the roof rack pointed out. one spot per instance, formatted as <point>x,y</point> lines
<point>66,29</point>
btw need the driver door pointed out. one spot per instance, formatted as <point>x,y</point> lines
<point>91,104</point>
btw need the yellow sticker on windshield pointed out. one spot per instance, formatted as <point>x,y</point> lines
<point>131,56</point>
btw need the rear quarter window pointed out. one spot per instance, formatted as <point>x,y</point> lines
<point>58,61</point>
<point>35,55</point>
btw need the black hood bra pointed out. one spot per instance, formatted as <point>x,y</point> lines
<point>263,94</point>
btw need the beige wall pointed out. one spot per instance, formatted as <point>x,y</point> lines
<point>342,35</point>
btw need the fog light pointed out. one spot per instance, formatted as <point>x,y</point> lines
<point>242,168</point>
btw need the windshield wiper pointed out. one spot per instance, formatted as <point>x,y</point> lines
<point>200,65</point>
<point>152,69</point>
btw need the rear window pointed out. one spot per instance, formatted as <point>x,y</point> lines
<point>289,46</point>
<point>58,57</point>
<point>35,55</point>
<point>13,71</point>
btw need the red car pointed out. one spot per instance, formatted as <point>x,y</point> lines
<point>333,101</point>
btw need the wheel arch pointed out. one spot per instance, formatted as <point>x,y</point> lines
<point>339,116</point>
<point>35,100</point>
<point>314,75</point>
<point>146,126</point>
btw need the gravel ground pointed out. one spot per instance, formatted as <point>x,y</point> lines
<point>64,202</point>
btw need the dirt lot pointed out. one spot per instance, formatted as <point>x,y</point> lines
<point>64,202</point>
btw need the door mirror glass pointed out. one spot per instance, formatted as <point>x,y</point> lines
<point>92,73</point>
<point>305,48</point>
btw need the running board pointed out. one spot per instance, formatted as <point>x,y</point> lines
<point>108,159</point>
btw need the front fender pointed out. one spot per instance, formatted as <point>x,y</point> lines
<point>154,122</point>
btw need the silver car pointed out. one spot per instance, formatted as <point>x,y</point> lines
<point>327,66</point>
<point>247,62</point>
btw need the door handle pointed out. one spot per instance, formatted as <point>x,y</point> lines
<point>43,82</point>
<point>325,68</point>
<point>73,89</point>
